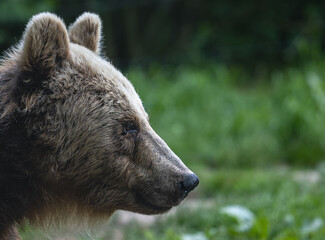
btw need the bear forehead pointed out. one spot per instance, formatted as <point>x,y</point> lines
<point>103,76</point>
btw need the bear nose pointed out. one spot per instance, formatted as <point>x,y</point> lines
<point>189,183</point>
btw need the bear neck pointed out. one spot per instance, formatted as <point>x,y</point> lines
<point>20,190</point>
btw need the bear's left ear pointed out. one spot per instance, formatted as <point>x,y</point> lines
<point>86,31</point>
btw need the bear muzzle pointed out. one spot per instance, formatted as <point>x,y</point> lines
<point>167,180</point>
<point>153,201</point>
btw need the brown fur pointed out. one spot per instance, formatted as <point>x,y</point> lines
<point>86,31</point>
<point>75,140</point>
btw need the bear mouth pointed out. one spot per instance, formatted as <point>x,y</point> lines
<point>152,206</point>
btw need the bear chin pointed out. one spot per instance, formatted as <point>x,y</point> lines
<point>148,207</point>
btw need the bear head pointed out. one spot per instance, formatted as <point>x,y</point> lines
<point>89,139</point>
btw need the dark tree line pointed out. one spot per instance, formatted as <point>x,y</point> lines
<point>143,32</point>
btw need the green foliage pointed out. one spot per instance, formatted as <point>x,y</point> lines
<point>300,99</point>
<point>205,117</point>
<point>209,118</point>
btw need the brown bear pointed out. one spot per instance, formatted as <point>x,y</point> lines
<point>75,139</point>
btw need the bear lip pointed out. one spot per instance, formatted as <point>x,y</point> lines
<point>144,202</point>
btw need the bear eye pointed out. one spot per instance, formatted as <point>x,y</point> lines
<point>130,128</point>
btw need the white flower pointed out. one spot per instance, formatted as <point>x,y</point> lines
<point>195,236</point>
<point>313,226</point>
<point>244,216</point>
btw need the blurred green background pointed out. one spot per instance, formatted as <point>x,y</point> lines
<point>236,88</point>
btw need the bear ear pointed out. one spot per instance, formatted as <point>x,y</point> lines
<point>45,43</point>
<point>86,31</point>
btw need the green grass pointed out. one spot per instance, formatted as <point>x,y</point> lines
<point>204,117</point>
